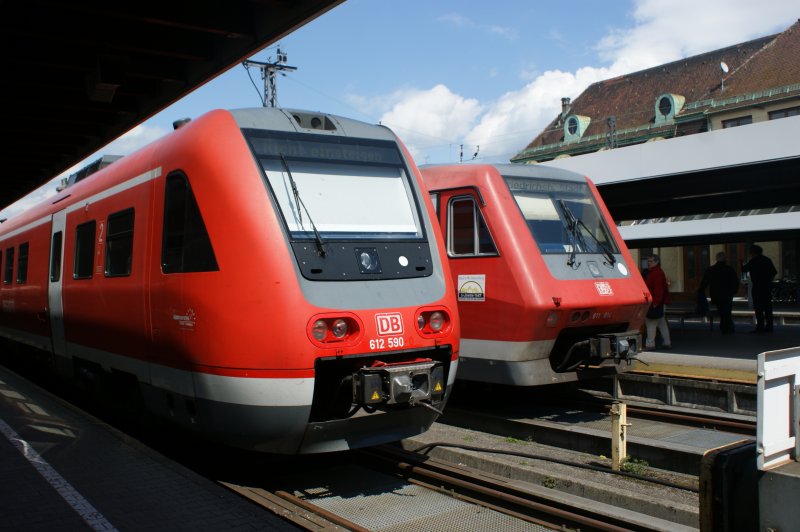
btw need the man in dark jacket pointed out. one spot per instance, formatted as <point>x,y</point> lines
<point>723,283</point>
<point>762,272</point>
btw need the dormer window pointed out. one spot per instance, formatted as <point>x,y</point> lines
<point>574,127</point>
<point>667,106</point>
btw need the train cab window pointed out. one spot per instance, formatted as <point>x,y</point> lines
<point>55,257</point>
<point>562,216</point>
<point>468,233</point>
<point>185,246</point>
<point>8,274</point>
<point>22,263</point>
<point>84,250</point>
<point>119,244</point>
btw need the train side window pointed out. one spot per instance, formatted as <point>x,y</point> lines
<point>55,258</point>
<point>8,274</point>
<point>185,246</point>
<point>468,233</point>
<point>84,250</point>
<point>119,244</point>
<point>22,263</point>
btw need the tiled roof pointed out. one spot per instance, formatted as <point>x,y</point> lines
<point>764,63</point>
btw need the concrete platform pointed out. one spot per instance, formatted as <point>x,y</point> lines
<point>63,470</point>
<point>697,351</point>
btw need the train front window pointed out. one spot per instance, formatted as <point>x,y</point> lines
<point>339,189</point>
<point>562,216</point>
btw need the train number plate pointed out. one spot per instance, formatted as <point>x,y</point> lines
<point>392,342</point>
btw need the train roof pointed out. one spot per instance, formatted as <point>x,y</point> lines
<point>297,120</point>
<point>438,176</point>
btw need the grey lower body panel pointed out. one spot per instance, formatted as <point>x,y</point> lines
<point>520,373</point>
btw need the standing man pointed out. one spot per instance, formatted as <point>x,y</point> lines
<point>723,283</point>
<point>762,272</point>
<point>656,282</point>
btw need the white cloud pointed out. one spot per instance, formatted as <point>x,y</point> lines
<point>431,118</point>
<point>662,31</point>
<point>666,30</point>
<point>512,121</point>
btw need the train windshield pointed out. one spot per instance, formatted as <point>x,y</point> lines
<point>339,188</point>
<point>562,216</point>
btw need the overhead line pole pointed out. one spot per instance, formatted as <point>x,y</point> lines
<point>268,72</point>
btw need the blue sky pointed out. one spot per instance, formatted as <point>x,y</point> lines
<point>442,73</point>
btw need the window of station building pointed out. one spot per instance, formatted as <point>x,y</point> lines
<point>22,263</point>
<point>55,257</point>
<point>468,233</point>
<point>784,113</point>
<point>738,121</point>
<point>185,246</point>
<point>8,274</point>
<point>84,250</point>
<point>119,244</point>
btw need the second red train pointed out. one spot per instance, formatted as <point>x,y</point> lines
<point>547,290</point>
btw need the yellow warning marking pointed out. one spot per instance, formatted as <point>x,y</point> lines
<point>438,387</point>
<point>374,396</point>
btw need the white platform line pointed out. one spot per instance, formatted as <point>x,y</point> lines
<point>78,503</point>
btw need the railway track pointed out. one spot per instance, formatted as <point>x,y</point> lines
<point>411,490</point>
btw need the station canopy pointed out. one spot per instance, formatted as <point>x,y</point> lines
<point>77,75</point>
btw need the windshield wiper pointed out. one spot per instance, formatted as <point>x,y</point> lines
<point>574,232</point>
<point>574,224</point>
<point>299,202</point>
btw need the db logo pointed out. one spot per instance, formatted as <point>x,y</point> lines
<point>389,323</point>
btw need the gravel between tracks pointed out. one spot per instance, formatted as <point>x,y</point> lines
<point>630,494</point>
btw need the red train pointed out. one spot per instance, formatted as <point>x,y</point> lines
<point>547,291</point>
<point>270,278</point>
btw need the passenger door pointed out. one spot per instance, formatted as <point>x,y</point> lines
<point>54,301</point>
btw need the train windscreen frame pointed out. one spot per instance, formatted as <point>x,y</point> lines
<point>338,188</point>
<point>562,216</point>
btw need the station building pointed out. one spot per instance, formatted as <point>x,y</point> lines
<point>694,157</point>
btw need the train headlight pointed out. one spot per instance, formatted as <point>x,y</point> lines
<point>334,329</point>
<point>339,328</point>
<point>436,321</point>
<point>320,330</point>
<point>433,322</point>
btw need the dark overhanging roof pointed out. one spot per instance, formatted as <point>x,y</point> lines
<point>76,75</point>
<point>761,185</point>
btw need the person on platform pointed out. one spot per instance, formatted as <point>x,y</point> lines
<point>656,282</point>
<point>723,283</point>
<point>762,272</point>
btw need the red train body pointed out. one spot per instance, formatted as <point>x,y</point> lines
<point>547,290</point>
<point>270,278</point>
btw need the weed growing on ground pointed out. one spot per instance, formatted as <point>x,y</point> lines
<point>635,466</point>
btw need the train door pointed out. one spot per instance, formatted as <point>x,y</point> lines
<point>472,255</point>
<point>54,301</point>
